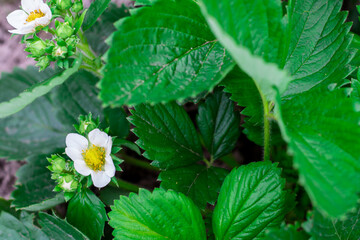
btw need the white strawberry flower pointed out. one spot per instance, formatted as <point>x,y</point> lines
<point>92,156</point>
<point>34,13</point>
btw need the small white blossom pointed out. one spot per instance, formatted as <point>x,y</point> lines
<point>34,13</point>
<point>92,156</point>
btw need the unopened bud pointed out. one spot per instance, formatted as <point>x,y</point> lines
<point>59,52</point>
<point>63,4</point>
<point>36,48</point>
<point>78,6</point>
<point>43,63</point>
<point>64,30</point>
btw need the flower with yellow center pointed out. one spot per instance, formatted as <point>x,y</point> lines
<point>34,13</point>
<point>92,156</point>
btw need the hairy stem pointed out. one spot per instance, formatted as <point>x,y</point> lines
<point>266,127</point>
<point>125,185</point>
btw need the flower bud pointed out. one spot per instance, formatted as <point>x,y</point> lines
<point>36,47</point>
<point>43,63</point>
<point>87,124</point>
<point>59,52</point>
<point>78,6</point>
<point>64,30</point>
<point>68,183</point>
<point>72,41</point>
<point>63,4</point>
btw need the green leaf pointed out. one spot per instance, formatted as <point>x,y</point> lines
<point>167,135</point>
<point>319,55</point>
<point>102,29</point>
<point>246,94</point>
<point>35,91</point>
<point>181,60</point>
<point>58,229</point>
<point>218,124</point>
<point>5,205</point>
<point>34,189</point>
<point>19,229</point>
<point>319,140</point>
<point>319,42</point>
<point>95,10</point>
<point>254,198</point>
<point>158,215</point>
<point>42,126</point>
<point>80,22</point>
<point>289,232</point>
<point>322,228</point>
<point>87,213</point>
<point>200,183</point>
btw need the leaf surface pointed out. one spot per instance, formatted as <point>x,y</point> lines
<point>95,10</point>
<point>87,213</point>
<point>157,215</point>
<point>254,200</point>
<point>58,229</point>
<point>181,60</point>
<point>218,124</point>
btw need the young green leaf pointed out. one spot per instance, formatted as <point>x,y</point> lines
<point>289,232</point>
<point>42,126</point>
<point>167,135</point>
<point>35,91</point>
<point>318,42</point>
<point>181,60</point>
<point>34,189</point>
<point>58,229</point>
<point>322,228</point>
<point>87,213</point>
<point>96,8</point>
<point>157,215</point>
<point>20,229</point>
<point>200,183</point>
<point>252,199</point>
<point>218,124</point>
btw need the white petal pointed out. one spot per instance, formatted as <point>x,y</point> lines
<point>109,167</point>
<point>42,21</point>
<point>82,168</point>
<point>17,18</point>
<point>28,28</point>
<point>100,179</point>
<point>74,140</point>
<point>108,146</point>
<point>28,5</point>
<point>98,138</point>
<point>46,10</point>
<point>74,154</point>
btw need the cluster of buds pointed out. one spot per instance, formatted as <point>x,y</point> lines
<point>92,159</point>
<point>45,43</point>
<point>64,174</point>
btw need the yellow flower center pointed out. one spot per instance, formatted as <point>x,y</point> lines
<point>34,15</point>
<point>94,157</point>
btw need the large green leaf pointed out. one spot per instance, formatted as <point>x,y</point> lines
<point>87,213</point>
<point>158,215</point>
<point>161,53</point>
<point>318,41</point>
<point>218,124</point>
<point>252,199</point>
<point>34,189</point>
<point>167,135</point>
<point>20,229</point>
<point>35,91</point>
<point>95,10</point>
<point>42,126</point>
<point>322,228</point>
<point>58,229</point>
<point>200,183</point>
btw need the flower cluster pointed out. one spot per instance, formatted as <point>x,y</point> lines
<point>56,44</point>
<point>92,161</point>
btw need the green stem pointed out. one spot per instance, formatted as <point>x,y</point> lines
<point>266,127</point>
<point>91,69</point>
<point>84,46</point>
<point>138,163</point>
<point>125,185</point>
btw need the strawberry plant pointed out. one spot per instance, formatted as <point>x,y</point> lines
<point>135,121</point>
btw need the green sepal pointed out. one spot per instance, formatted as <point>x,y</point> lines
<point>79,22</point>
